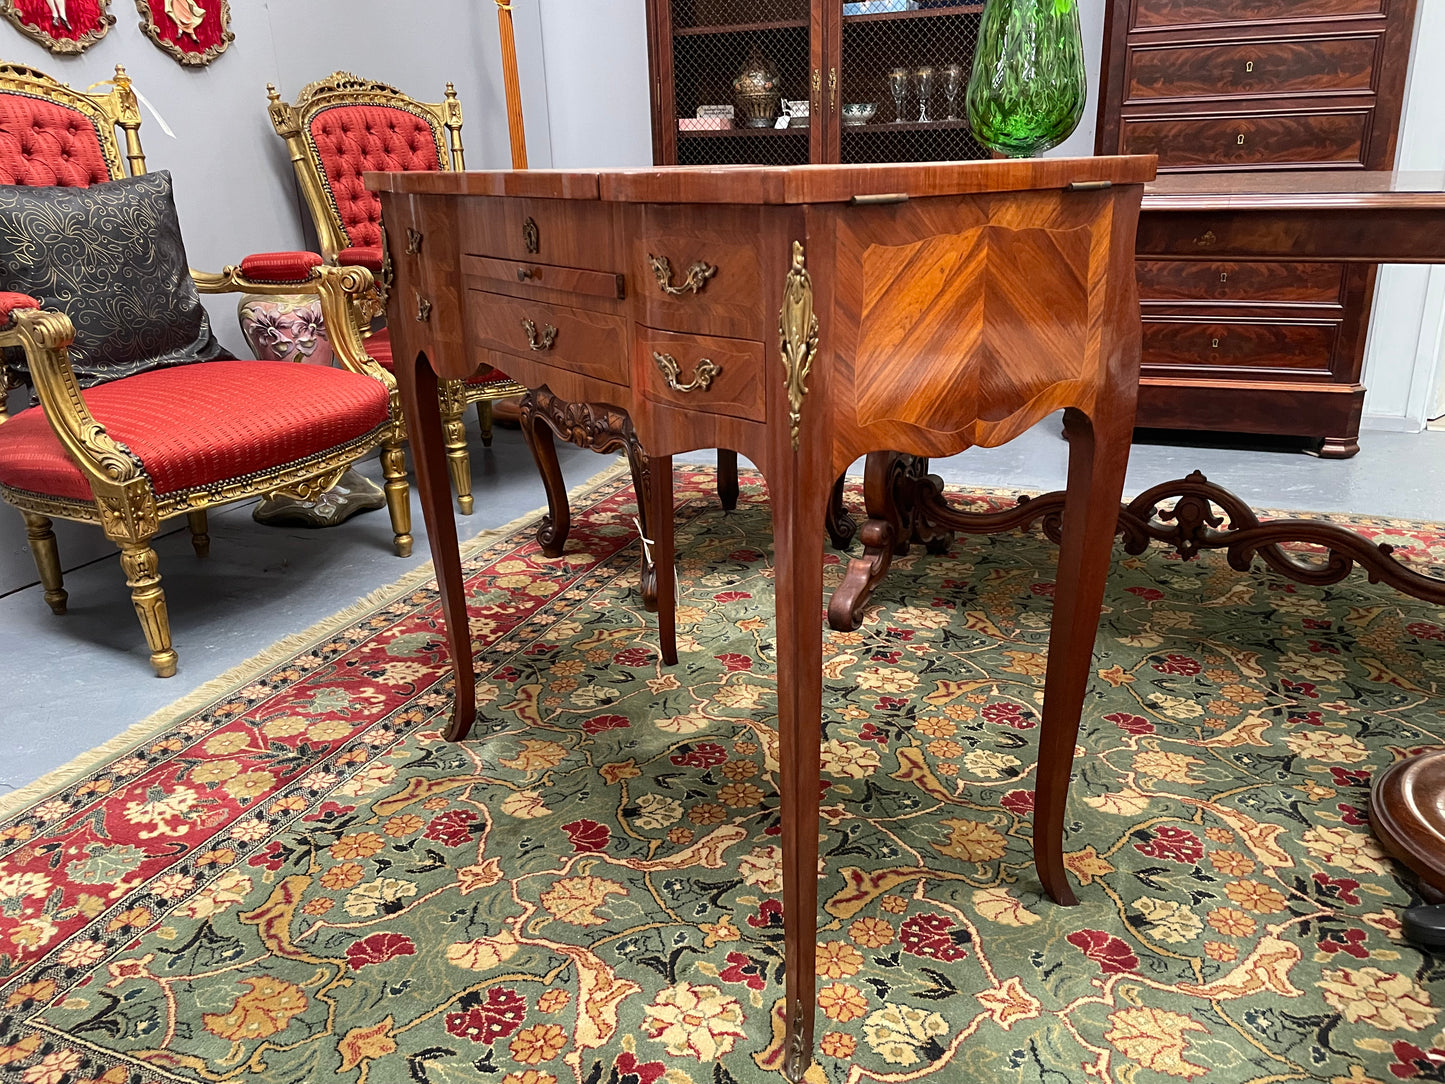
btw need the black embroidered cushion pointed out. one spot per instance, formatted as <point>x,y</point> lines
<point>110,257</point>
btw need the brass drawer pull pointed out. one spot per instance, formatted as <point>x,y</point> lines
<point>526,274</point>
<point>697,275</point>
<point>549,335</point>
<point>702,376</point>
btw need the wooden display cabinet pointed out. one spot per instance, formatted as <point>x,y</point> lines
<point>820,54</point>
<point>1249,86</point>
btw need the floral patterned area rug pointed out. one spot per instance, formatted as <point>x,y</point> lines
<point>293,879</point>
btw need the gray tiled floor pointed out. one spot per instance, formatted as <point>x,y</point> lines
<point>72,683</point>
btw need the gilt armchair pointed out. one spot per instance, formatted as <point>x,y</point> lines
<point>338,128</point>
<point>130,446</point>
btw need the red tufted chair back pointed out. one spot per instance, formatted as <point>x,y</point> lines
<point>343,125</point>
<point>45,143</point>
<point>350,139</point>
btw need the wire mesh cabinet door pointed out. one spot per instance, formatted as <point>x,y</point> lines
<point>903,69</point>
<point>738,82</point>
<point>784,82</point>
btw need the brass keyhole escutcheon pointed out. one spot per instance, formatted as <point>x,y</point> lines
<point>548,337</point>
<point>702,376</point>
<point>1239,139</point>
<point>1224,276</point>
<point>413,241</point>
<point>530,237</point>
<point>423,309</point>
<point>1214,343</point>
<point>1249,65</point>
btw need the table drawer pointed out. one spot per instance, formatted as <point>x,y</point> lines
<point>519,278</point>
<point>701,372</point>
<point>1306,66</point>
<point>701,278</point>
<point>1248,140</point>
<point>1294,350</point>
<point>563,233</point>
<point>591,343</point>
<point>1151,13</point>
<point>1291,283</point>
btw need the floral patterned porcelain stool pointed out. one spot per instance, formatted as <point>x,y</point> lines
<point>289,327</point>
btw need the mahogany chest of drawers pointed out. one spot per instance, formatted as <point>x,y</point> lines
<point>1250,85</point>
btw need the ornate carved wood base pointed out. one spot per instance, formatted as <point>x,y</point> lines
<point>601,428</point>
<point>905,504</point>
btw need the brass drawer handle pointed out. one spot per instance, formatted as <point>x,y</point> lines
<point>697,275</point>
<point>702,376</point>
<point>526,274</point>
<point>549,335</point>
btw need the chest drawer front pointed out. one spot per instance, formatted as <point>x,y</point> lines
<point>1187,280</point>
<point>1292,351</point>
<point>1252,67</point>
<point>1152,13</point>
<point>562,233</point>
<point>1244,141</point>
<point>591,343</point>
<point>698,270</point>
<point>701,372</point>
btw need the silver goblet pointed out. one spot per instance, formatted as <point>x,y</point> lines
<point>898,87</point>
<point>923,79</point>
<point>952,86</point>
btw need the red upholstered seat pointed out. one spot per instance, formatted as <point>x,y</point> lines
<point>196,425</point>
<point>351,139</point>
<point>379,347</point>
<point>49,144</point>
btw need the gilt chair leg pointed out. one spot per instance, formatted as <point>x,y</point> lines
<point>398,499</point>
<point>484,419</point>
<point>38,529</point>
<point>200,532</point>
<point>140,564</point>
<point>459,461</point>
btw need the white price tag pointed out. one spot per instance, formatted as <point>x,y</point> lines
<point>781,122</point>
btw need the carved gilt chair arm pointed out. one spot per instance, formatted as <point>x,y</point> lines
<point>339,289</point>
<point>45,338</point>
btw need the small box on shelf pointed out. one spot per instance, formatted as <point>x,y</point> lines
<point>878,7</point>
<point>704,124</point>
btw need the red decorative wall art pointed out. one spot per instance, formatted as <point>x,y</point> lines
<point>193,31</point>
<point>62,26</point>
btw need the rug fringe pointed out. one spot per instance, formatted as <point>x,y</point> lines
<point>245,673</point>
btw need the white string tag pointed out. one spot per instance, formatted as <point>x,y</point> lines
<point>160,120</point>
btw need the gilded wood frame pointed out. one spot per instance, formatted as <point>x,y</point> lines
<point>125,504</point>
<point>292,122</point>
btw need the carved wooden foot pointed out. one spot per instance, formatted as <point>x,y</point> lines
<point>892,494</point>
<point>601,428</point>
<point>727,479</point>
<point>139,562</point>
<point>1338,447</point>
<point>841,526</point>
<point>398,496</point>
<point>41,535</point>
<point>200,532</point>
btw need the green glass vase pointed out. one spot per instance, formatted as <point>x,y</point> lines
<point>1027,89</point>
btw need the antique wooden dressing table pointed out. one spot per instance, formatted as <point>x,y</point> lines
<point>801,316</point>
